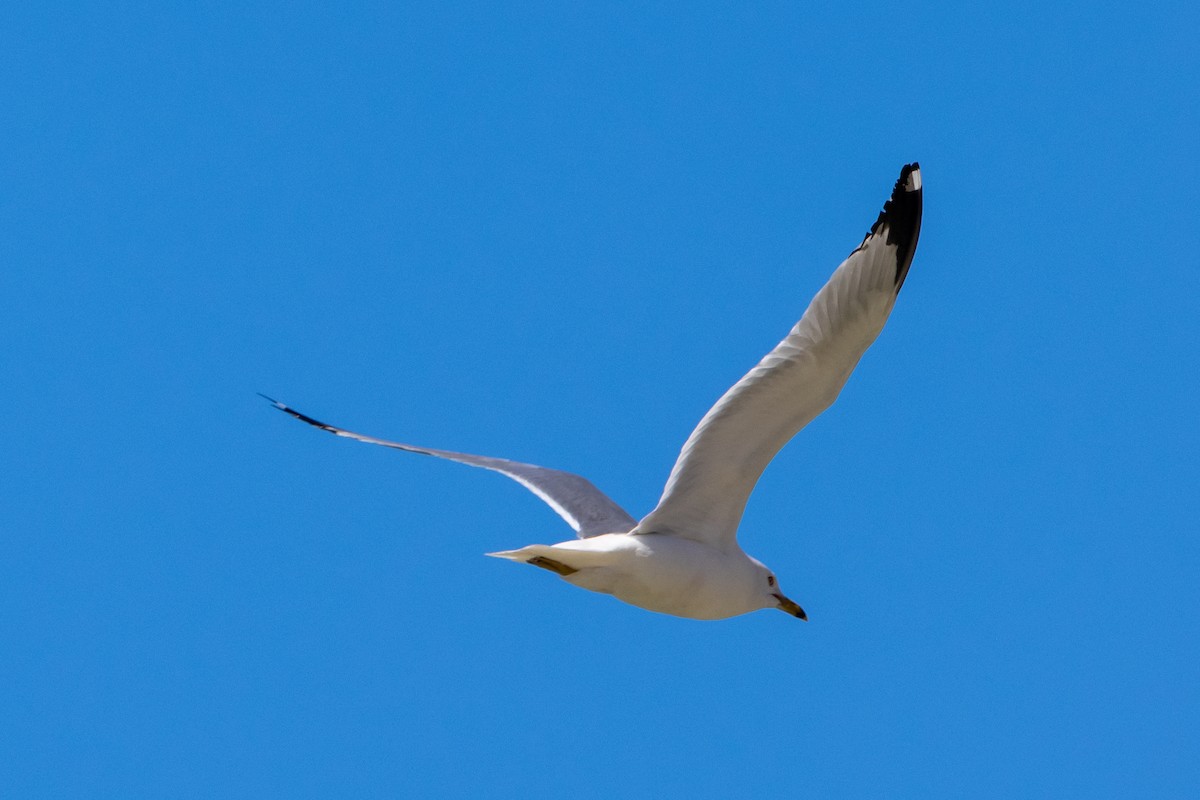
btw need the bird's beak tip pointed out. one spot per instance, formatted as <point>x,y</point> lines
<point>791,607</point>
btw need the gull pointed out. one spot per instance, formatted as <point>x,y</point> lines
<point>683,558</point>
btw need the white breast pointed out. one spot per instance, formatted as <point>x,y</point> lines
<point>672,576</point>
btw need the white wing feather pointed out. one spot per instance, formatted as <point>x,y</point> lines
<point>586,509</point>
<point>727,452</point>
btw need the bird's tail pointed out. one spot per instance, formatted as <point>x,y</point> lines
<point>525,553</point>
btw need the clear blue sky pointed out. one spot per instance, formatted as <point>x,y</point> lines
<point>558,234</point>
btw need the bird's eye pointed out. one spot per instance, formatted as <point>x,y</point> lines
<point>771,581</point>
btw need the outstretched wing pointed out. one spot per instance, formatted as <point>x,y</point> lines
<point>727,452</point>
<point>585,508</point>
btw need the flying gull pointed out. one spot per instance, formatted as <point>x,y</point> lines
<point>683,558</point>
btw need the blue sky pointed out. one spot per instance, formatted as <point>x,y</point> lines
<point>558,234</point>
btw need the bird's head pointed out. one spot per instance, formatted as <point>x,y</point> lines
<point>772,596</point>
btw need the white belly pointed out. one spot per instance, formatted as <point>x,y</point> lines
<point>663,573</point>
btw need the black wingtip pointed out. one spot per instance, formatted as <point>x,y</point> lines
<point>302,417</point>
<point>902,216</point>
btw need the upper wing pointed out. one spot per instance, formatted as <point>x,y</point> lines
<point>727,452</point>
<point>582,505</point>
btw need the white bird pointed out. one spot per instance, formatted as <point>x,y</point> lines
<point>683,558</point>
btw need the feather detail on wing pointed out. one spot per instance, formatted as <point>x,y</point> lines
<point>727,452</point>
<point>585,508</point>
